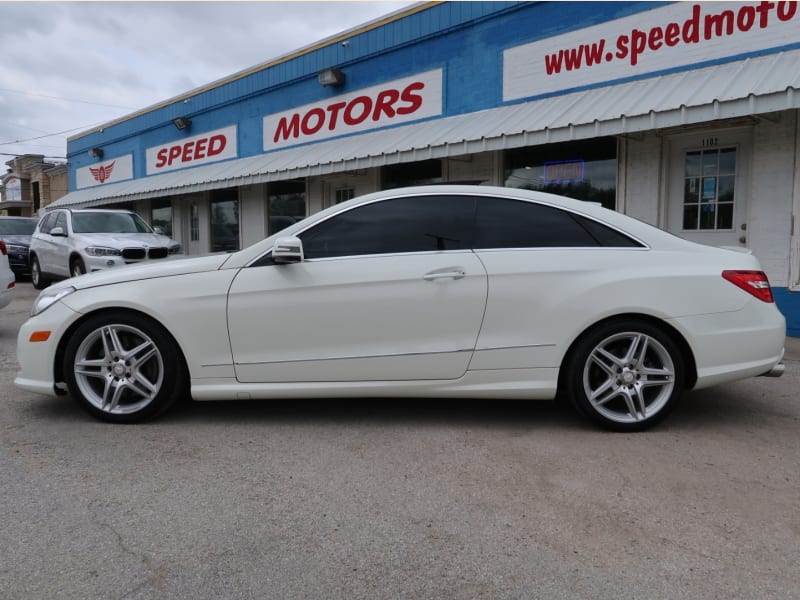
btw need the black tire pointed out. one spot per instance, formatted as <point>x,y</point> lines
<point>37,278</point>
<point>625,375</point>
<point>76,267</point>
<point>115,384</point>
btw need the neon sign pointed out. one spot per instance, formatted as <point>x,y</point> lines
<point>564,171</point>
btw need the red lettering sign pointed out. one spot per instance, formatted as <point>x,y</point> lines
<point>387,103</point>
<point>191,151</point>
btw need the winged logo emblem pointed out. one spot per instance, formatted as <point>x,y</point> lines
<point>101,174</point>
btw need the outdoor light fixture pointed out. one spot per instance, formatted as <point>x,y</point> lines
<point>331,77</point>
<point>96,152</point>
<point>182,122</point>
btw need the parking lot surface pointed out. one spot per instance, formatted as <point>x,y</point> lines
<point>398,498</point>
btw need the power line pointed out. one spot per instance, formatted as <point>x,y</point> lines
<point>65,99</point>
<point>50,134</point>
<point>18,154</point>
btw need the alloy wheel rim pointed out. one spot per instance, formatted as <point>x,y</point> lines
<point>629,377</point>
<point>118,369</point>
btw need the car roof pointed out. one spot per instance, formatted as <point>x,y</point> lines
<point>100,210</point>
<point>649,235</point>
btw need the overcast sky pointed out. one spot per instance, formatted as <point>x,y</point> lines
<point>67,66</point>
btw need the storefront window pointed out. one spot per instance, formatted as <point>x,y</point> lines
<point>224,220</point>
<point>194,224</point>
<point>586,170</point>
<point>286,204</point>
<point>417,173</point>
<point>161,216</point>
<point>709,178</point>
<point>344,194</point>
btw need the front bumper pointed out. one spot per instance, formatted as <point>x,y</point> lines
<point>103,263</point>
<point>37,359</point>
<point>19,263</point>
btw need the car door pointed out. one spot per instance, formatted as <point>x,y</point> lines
<point>59,248</point>
<point>388,291</point>
<point>544,266</point>
<point>43,245</point>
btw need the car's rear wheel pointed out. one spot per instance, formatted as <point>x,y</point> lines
<point>76,267</point>
<point>625,375</point>
<point>124,367</point>
<point>37,279</point>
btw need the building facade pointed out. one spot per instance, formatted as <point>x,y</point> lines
<point>684,115</point>
<point>30,184</point>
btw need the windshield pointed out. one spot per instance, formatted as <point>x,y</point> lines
<point>104,222</point>
<point>17,226</point>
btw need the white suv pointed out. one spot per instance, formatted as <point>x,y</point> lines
<point>68,243</point>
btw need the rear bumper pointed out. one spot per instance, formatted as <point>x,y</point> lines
<point>735,345</point>
<point>6,292</point>
<point>6,295</point>
<point>777,370</point>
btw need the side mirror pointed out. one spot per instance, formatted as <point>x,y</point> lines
<point>58,232</point>
<point>287,250</point>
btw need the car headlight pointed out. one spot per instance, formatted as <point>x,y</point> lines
<point>103,251</point>
<point>176,249</point>
<point>17,248</point>
<point>49,297</point>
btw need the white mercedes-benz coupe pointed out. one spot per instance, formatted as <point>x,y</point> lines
<point>438,291</point>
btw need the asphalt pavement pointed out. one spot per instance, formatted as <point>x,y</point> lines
<point>396,498</point>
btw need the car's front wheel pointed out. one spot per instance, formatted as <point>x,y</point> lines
<point>625,375</point>
<point>124,367</point>
<point>37,279</point>
<point>76,267</point>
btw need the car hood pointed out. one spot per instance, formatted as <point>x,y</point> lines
<point>147,270</point>
<point>24,240</point>
<point>123,240</point>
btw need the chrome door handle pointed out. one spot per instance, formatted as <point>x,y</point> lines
<point>449,274</point>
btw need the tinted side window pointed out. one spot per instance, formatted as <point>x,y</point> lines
<point>61,221</point>
<point>606,236</point>
<point>416,224</point>
<point>503,223</point>
<point>47,223</point>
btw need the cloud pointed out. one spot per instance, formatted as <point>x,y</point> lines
<point>68,66</point>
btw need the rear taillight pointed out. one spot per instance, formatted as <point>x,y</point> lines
<point>3,249</point>
<point>752,282</point>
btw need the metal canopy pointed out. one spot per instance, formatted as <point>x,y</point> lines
<point>753,86</point>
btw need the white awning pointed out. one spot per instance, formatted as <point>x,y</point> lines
<point>753,86</point>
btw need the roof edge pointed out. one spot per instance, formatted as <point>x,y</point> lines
<point>338,37</point>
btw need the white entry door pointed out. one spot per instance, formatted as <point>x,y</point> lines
<point>708,187</point>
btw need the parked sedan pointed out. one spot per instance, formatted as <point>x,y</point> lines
<point>16,233</point>
<point>442,291</point>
